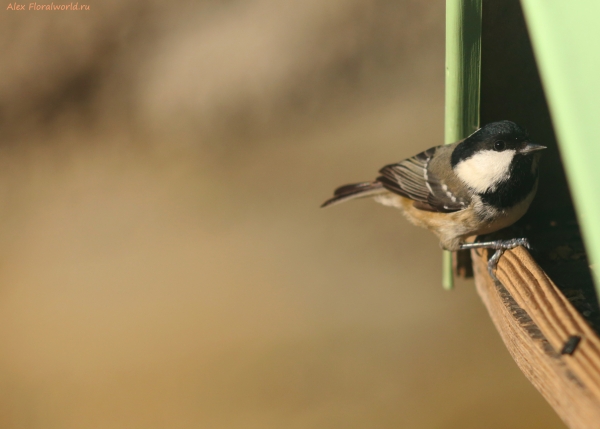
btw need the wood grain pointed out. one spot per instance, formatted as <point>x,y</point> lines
<point>535,321</point>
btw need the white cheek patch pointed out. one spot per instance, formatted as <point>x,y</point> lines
<point>485,170</point>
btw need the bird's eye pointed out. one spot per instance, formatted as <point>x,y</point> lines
<point>499,145</point>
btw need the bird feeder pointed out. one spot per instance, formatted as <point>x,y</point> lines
<point>536,63</point>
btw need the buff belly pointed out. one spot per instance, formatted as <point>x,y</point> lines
<point>454,228</point>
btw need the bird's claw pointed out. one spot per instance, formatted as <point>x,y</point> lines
<point>512,243</point>
<point>499,246</point>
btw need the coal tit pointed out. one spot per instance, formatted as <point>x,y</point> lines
<point>476,186</point>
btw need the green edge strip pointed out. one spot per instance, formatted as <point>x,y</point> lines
<point>463,76</point>
<point>566,42</point>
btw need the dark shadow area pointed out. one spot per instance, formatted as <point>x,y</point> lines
<point>511,89</point>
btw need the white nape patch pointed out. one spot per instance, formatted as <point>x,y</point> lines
<point>485,170</point>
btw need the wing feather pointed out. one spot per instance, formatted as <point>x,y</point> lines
<point>413,179</point>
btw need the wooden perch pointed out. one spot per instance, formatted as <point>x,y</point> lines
<point>548,339</point>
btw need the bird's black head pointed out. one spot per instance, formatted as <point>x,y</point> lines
<point>497,137</point>
<point>496,163</point>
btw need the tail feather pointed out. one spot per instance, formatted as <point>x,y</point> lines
<point>356,190</point>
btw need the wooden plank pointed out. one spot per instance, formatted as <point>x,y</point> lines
<point>535,322</point>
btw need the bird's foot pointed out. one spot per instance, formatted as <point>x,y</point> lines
<point>499,246</point>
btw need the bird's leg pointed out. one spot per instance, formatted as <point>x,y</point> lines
<point>499,246</point>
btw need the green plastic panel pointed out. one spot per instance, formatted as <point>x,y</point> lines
<point>566,42</point>
<point>463,76</point>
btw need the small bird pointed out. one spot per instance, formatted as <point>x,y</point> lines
<point>476,186</point>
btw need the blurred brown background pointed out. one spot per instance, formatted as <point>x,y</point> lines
<point>163,261</point>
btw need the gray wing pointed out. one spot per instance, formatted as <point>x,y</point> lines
<point>413,179</point>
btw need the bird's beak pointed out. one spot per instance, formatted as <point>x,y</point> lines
<point>531,147</point>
